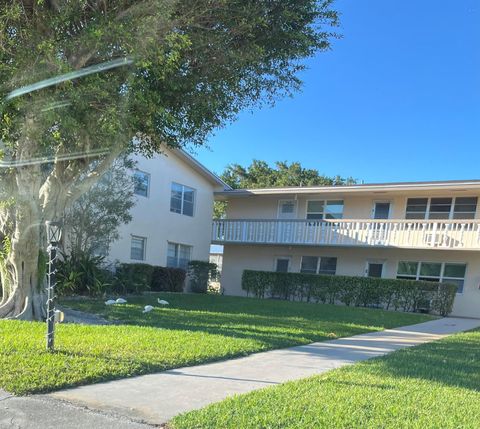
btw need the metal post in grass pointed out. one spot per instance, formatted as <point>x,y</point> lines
<point>54,234</point>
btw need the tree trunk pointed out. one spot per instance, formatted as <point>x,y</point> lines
<point>23,284</point>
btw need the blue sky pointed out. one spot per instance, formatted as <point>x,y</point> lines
<point>396,99</point>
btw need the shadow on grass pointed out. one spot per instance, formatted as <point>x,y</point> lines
<point>272,332</point>
<point>274,323</point>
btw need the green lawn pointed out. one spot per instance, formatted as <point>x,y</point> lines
<point>433,386</point>
<point>193,329</point>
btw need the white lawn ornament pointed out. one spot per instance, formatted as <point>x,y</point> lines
<point>110,302</point>
<point>148,308</point>
<point>121,301</point>
<point>162,301</point>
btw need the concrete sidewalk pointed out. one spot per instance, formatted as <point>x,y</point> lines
<point>156,398</point>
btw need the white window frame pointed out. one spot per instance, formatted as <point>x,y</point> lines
<point>441,278</point>
<point>452,207</point>
<point>178,253</point>
<point>148,185</point>
<point>324,201</point>
<point>288,200</point>
<point>183,199</point>
<point>289,258</point>
<point>144,239</point>
<point>384,202</point>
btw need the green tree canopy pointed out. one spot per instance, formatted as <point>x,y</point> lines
<point>260,174</point>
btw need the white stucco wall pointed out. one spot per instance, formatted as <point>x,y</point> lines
<point>352,262</point>
<point>153,219</point>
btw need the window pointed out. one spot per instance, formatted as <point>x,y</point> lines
<point>142,183</point>
<point>416,208</point>
<point>455,274</point>
<point>433,272</point>
<point>465,208</point>
<point>178,255</point>
<point>441,208</point>
<point>315,209</point>
<point>182,199</point>
<point>327,266</point>
<point>282,265</point>
<point>287,209</point>
<point>137,248</point>
<point>321,209</point>
<point>316,265</point>
<point>309,264</point>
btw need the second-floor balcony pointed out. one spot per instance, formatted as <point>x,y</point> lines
<point>416,234</point>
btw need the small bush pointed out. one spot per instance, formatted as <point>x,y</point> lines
<point>133,278</point>
<point>199,275</point>
<point>80,273</point>
<point>399,294</point>
<point>168,279</point>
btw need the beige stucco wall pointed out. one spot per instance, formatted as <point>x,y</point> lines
<point>355,206</point>
<point>351,261</point>
<point>153,219</point>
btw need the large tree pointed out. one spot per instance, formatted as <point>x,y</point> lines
<point>82,81</point>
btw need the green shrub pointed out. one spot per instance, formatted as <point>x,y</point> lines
<point>168,279</point>
<point>199,275</point>
<point>80,273</point>
<point>133,278</point>
<point>399,294</point>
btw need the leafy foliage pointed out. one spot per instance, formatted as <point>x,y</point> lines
<point>399,294</point>
<point>194,67</point>
<point>92,221</point>
<point>81,273</point>
<point>133,278</point>
<point>168,279</point>
<point>261,175</point>
<point>199,275</point>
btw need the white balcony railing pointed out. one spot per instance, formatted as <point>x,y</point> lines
<point>421,234</point>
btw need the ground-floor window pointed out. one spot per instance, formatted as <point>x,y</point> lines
<point>137,248</point>
<point>178,255</point>
<point>447,272</point>
<point>319,265</point>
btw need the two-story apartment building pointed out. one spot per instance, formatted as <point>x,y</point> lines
<point>428,231</point>
<point>172,216</point>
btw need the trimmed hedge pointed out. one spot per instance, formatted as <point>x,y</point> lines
<point>138,278</point>
<point>168,279</point>
<point>199,275</point>
<point>398,294</point>
<point>133,278</point>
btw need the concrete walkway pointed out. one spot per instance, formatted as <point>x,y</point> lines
<point>156,398</point>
